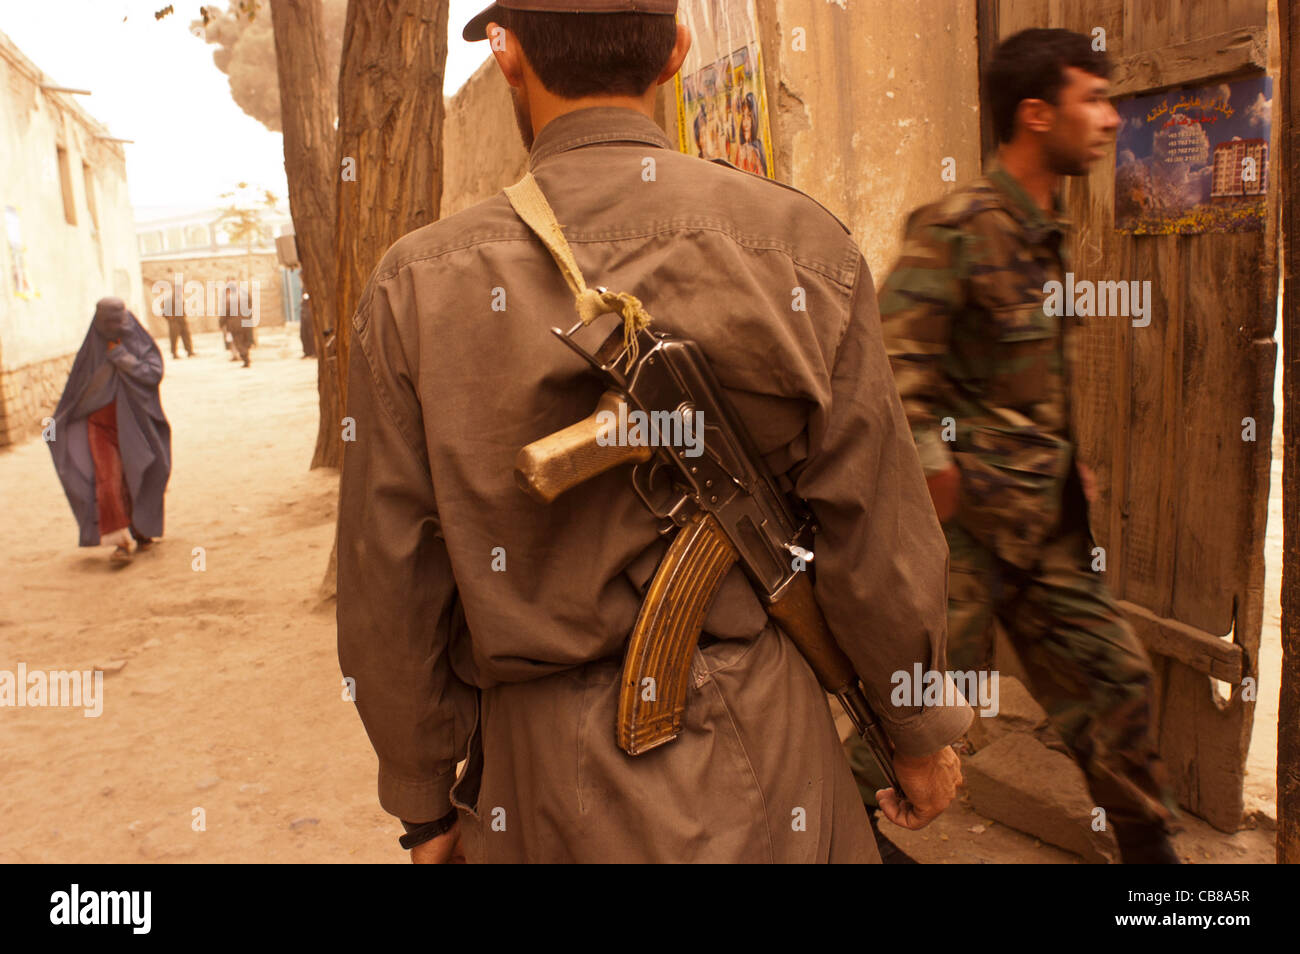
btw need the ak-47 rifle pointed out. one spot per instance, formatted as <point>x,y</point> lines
<point>722,505</point>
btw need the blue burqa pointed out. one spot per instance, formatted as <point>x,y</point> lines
<point>128,374</point>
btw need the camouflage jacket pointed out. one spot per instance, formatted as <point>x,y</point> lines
<point>982,371</point>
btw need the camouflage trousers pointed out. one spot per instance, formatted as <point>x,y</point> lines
<point>1085,666</point>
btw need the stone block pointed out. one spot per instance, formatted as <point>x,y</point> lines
<point>1017,712</point>
<point>1021,783</point>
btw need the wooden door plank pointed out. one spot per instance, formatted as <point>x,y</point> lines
<point>1151,527</point>
<point>1192,62</point>
<point>1017,15</point>
<point>1213,562</point>
<point>1083,16</point>
<point>1206,653</point>
<point>1202,744</point>
<point>1148,24</point>
<point>1207,17</point>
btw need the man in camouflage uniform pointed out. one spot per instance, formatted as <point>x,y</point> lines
<point>984,377</point>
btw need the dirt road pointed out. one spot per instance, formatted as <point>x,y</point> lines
<point>230,699</point>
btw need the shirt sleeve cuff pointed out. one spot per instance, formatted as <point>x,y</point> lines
<point>416,800</point>
<point>933,727</point>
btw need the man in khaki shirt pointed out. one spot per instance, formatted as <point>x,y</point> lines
<point>480,625</point>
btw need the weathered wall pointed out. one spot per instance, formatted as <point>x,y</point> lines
<point>266,272</point>
<point>481,149</point>
<point>29,394</point>
<point>865,114</point>
<point>862,117</point>
<point>69,264</point>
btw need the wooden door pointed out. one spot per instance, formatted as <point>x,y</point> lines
<point>1160,409</point>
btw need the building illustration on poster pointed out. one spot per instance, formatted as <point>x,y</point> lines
<point>1194,160</point>
<point>721,100</point>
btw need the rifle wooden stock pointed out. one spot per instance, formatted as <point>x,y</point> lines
<point>802,620</point>
<point>553,464</point>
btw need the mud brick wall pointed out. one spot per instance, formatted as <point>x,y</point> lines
<point>28,395</point>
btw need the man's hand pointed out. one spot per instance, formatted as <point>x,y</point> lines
<point>931,781</point>
<point>1089,481</point>
<point>944,488</point>
<point>442,850</point>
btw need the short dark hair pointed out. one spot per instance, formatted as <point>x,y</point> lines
<point>592,54</point>
<point>1031,65</point>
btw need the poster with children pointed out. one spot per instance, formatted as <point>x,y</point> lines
<point>721,102</point>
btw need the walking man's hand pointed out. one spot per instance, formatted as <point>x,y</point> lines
<point>931,782</point>
<point>944,489</point>
<point>1089,481</point>
<point>442,850</point>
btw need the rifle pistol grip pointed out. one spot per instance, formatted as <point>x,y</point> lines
<point>553,464</point>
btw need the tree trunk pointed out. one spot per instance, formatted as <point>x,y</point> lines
<point>1288,710</point>
<point>390,128</point>
<point>307,115</point>
<point>390,149</point>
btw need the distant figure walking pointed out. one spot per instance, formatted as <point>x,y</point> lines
<point>178,329</point>
<point>111,442</point>
<point>241,336</point>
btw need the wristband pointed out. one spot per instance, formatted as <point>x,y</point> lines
<point>417,833</point>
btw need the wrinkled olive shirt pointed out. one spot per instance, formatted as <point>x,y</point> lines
<point>451,580</point>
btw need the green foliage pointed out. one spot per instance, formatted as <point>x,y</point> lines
<point>243,219</point>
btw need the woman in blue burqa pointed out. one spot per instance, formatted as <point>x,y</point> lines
<point>111,442</point>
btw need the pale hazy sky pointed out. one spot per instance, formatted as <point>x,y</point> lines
<point>154,82</point>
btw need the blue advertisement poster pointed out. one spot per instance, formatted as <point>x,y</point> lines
<point>1194,159</point>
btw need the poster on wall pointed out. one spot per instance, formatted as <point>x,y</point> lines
<point>721,101</point>
<point>17,262</point>
<point>1194,159</point>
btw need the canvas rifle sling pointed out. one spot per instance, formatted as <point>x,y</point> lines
<point>530,205</point>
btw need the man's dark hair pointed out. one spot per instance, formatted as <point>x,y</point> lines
<point>594,54</point>
<point>1031,65</point>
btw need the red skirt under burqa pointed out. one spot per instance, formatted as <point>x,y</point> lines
<point>110,483</point>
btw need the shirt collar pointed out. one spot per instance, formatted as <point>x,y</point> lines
<point>597,124</point>
<point>1024,209</point>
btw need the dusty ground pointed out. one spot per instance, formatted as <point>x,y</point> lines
<point>223,691</point>
<point>961,836</point>
<point>230,699</point>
